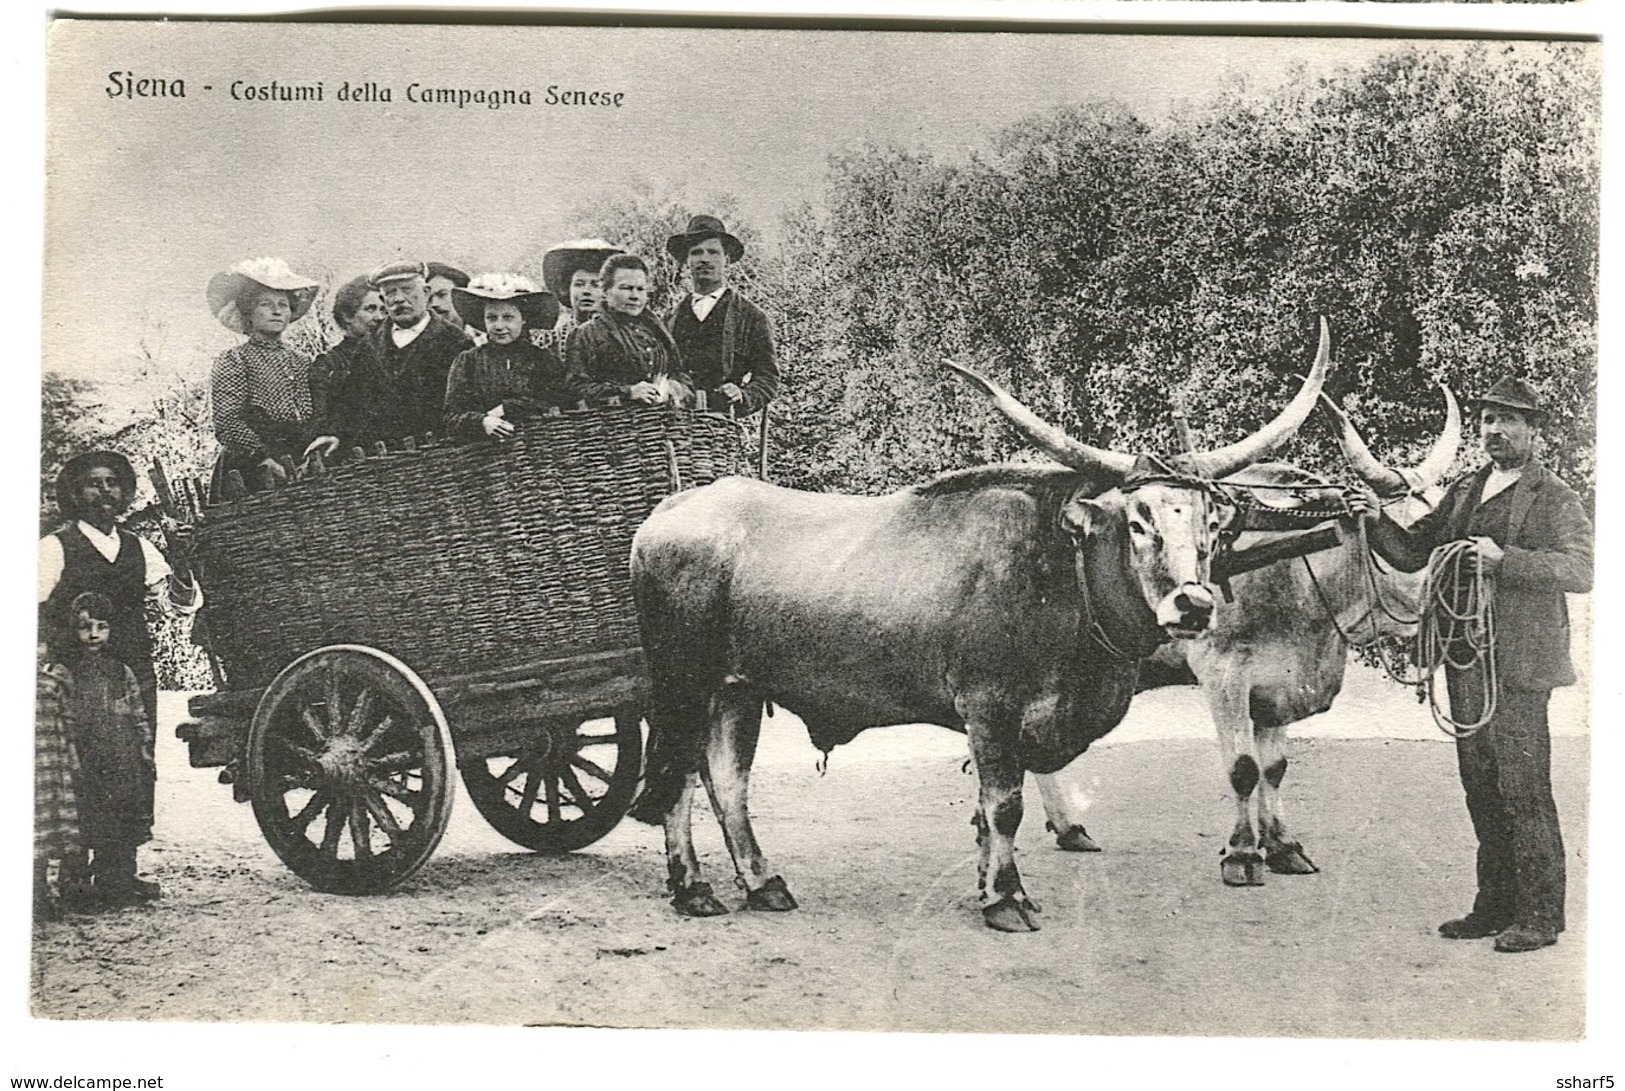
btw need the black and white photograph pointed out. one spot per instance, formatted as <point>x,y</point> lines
<point>974,535</point>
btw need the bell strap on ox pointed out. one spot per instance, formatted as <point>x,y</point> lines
<point>1458,631</point>
<point>1097,632</point>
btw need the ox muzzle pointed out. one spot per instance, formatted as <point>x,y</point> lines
<point>1186,612</point>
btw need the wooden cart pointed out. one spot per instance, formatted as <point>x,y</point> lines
<point>372,623</point>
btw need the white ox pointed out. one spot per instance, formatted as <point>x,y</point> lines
<point>1277,653</point>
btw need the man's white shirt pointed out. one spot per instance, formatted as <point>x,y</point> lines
<point>52,560</point>
<point>405,335</point>
<point>1498,482</point>
<point>703,305</point>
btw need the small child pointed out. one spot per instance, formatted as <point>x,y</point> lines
<point>56,810</point>
<point>116,768</point>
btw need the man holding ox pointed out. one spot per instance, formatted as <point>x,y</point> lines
<point>1530,535</point>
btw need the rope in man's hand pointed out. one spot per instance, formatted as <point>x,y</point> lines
<point>1457,629</point>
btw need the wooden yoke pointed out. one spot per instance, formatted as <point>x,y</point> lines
<point>1233,562</point>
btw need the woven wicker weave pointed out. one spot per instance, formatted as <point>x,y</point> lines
<point>456,560</point>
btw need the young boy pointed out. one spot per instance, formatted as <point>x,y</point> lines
<point>114,740</point>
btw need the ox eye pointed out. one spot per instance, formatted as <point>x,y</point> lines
<point>1137,528</point>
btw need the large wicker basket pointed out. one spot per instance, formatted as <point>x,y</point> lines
<point>455,559</point>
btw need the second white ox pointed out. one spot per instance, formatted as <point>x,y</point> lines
<point>1277,654</point>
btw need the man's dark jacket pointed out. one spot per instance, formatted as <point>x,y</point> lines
<point>746,345</point>
<point>397,392</point>
<point>1548,552</point>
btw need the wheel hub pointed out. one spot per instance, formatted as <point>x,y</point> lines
<point>342,759</point>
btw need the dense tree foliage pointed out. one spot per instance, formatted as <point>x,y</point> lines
<point>1440,210</point>
<point>68,425</point>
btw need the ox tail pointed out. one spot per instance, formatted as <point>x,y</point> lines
<point>678,718</point>
<point>680,696</point>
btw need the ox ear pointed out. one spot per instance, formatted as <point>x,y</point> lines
<point>1225,509</point>
<point>1080,516</point>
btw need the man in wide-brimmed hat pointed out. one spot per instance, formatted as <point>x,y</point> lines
<point>1531,537</point>
<point>441,281</point>
<point>494,385</point>
<point>260,390</point>
<point>570,271</point>
<point>93,553</point>
<point>725,340</point>
<point>399,388</point>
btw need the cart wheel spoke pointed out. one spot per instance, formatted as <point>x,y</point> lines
<point>360,713</point>
<point>360,837</point>
<point>551,782</point>
<point>334,717</point>
<point>533,784</point>
<point>379,731</point>
<point>591,768</point>
<point>399,762</point>
<point>314,806</point>
<point>305,755</point>
<point>335,826</point>
<point>380,813</point>
<point>396,791</point>
<point>521,765</point>
<point>577,792</point>
<point>313,722</point>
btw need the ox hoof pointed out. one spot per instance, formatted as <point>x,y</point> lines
<point>697,901</point>
<point>1242,869</point>
<point>1076,839</point>
<point>1010,915</point>
<point>1289,859</point>
<point>773,896</point>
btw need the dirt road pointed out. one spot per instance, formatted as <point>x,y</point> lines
<point>1140,939</point>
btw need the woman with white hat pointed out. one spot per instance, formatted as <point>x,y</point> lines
<point>494,384</point>
<point>260,389</point>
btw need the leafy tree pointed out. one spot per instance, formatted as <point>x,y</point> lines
<point>70,424</point>
<point>1440,208</point>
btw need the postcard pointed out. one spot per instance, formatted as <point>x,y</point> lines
<point>1184,446</point>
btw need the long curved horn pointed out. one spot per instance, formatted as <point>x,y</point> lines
<point>1431,469</point>
<point>1384,478</point>
<point>1045,436</point>
<point>1380,476</point>
<point>1227,460</point>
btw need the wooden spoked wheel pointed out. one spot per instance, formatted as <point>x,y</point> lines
<point>566,788</point>
<point>348,769</point>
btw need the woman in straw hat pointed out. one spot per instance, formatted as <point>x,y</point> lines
<point>570,272</point>
<point>263,408</point>
<point>494,384</point>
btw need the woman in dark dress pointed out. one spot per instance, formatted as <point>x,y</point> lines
<point>358,310</point>
<point>625,352</point>
<point>495,384</point>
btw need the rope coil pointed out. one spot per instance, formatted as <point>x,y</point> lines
<point>1455,627</point>
<point>1458,631</point>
